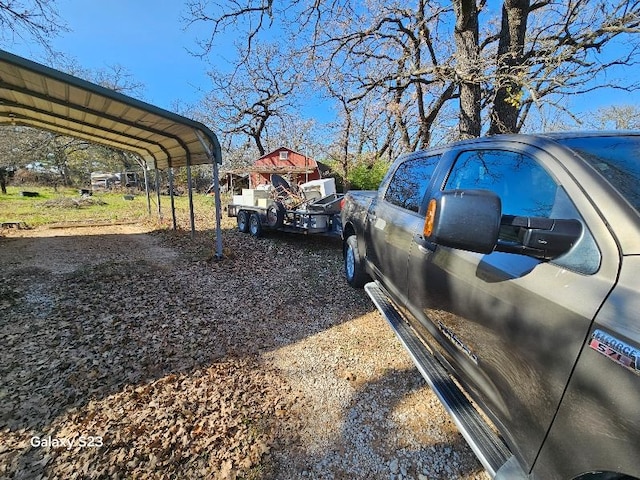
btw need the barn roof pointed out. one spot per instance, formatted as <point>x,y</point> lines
<point>280,169</point>
<point>38,96</point>
<point>266,156</point>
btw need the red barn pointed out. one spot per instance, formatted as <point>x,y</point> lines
<point>293,166</point>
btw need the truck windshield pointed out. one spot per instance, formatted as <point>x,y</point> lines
<point>617,159</point>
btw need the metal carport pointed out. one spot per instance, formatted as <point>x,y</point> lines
<point>34,95</point>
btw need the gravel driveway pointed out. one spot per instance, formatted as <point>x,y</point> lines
<point>128,354</point>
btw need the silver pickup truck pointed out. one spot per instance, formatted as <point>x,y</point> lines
<point>512,265</point>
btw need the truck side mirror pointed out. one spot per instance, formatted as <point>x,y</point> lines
<point>471,220</point>
<point>464,219</point>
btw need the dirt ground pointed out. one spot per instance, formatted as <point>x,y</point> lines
<point>130,353</point>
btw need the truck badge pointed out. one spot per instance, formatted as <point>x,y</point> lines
<point>457,342</point>
<point>617,350</point>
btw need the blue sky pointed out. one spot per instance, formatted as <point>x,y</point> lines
<point>146,37</point>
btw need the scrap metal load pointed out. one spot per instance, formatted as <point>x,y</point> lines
<point>312,207</point>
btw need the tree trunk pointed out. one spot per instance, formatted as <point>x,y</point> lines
<point>3,182</point>
<point>468,67</point>
<point>506,104</point>
<point>259,145</point>
<point>345,148</point>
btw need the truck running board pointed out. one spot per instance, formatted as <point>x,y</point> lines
<point>494,455</point>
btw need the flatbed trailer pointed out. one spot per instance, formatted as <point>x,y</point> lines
<point>318,217</point>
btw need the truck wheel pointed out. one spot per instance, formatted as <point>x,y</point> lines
<point>353,268</point>
<point>255,226</point>
<point>243,221</point>
<point>275,215</point>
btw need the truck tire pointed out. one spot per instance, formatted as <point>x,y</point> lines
<point>275,215</point>
<point>243,221</point>
<point>353,267</point>
<point>255,226</point>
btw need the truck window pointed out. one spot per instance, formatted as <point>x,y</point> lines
<point>525,189</point>
<point>523,186</point>
<point>410,181</point>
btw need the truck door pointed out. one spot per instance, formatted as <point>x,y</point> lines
<point>394,219</point>
<point>513,326</point>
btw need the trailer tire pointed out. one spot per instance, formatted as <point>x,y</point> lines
<point>255,225</point>
<point>353,266</point>
<point>275,215</point>
<point>243,221</point>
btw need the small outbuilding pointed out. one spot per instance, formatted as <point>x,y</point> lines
<point>295,167</point>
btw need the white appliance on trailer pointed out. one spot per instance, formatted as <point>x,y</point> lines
<point>313,208</point>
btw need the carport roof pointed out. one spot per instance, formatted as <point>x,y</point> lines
<point>34,95</point>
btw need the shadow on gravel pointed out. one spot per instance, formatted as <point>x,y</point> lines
<point>393,427</point>
<point>118,323</point>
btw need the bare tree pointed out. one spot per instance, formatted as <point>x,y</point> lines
<point>361,128</point>
<point>114,77</point>
<point>384,54</point>
<point>345,130</point>
<point>468,67</point>
<point>509,66</point>
<point>250,17</point>
<point>418,57</point>
<point>30,20</point>
<point>616,117</point>
<point>390,54</point>
<point>256,94</point>
<point>13,147</point>
<point>551,49</point>
<point>43,150</point>
<point>300,134</point>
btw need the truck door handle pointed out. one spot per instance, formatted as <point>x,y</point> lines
<point>424,246</point>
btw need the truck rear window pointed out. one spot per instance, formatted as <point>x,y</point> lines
<point>409,182</point>
<point>617,159</point>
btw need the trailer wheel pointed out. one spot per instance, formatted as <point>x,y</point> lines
<point>243,221</point>
<point>275,215</point>
<point>255,226</point>
<point>353,268</point>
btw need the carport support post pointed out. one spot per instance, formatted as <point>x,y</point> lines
<point>146,187</point>
<point>173,203</point>
<point>215,158</point>
<point>190,186</point>
<point>216,193</point>
<point>158,193</point>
